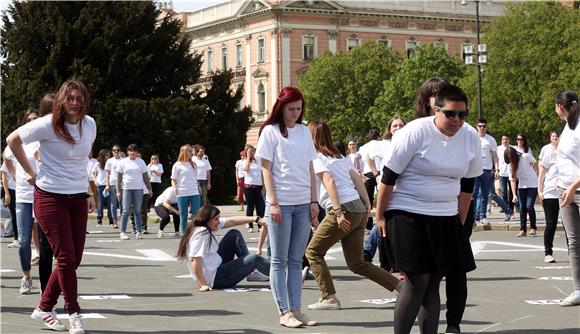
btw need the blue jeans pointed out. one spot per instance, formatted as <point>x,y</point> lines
<point>183,203</point>
<point>288,242</point>
<point>481,194</point>
<point>372,242</point>
<point>526,200</point>
<point>237,262</point>
<point>103,202</point>
<point>114,203</point>
<point>502,204</point>
<point>132,200</point>
<point>24,220</point>
<point>506,188</point>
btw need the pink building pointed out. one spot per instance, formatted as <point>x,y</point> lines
<point>269,43</point>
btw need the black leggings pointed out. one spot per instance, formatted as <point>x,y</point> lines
<point>45,261</point>
<point>12,208</point>
<point>255,200</point>
<point>419,296</point>
<point>370,185</point>
<point>163,213</point>
<point>551,211</point>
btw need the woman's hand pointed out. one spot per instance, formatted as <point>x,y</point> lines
<point>275,213</point>
<point>382,226</point>
<point>515,199</point>
<point>31,179</point>
<point>567,197</point>
<point>541,196</point>
<point>204,288</point>
<point>91,203</point>
<point>7,199</point>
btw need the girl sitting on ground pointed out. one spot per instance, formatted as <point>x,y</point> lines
<point>224,264</point>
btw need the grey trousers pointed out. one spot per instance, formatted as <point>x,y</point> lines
<point>571,219</point>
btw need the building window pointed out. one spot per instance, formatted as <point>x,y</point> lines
<point>261,50</point>
<point>261,99</point>
<point>441,44</point>
<point>238,55</point>
<point>410,47</point>
<point>384,41</point>
<point>463,53</point>
<point>224,58</point>
<point>308,46</point>
<point>352,43</point>
<point>209,60</point>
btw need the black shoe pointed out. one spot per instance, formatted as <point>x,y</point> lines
<point>452,329</point>
<point>368,257</point>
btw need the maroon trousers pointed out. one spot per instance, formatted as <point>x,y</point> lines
<point>64,222</point>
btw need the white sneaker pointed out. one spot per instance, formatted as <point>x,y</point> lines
<point>25,285</point>
<point>257,276</point>
<point>124,236</point>
<point>160,234</point>
<point>76,325</point>
<point>48,319</point>
<point>549,259</point>
<point>325,304</point>
<point>572,300</point>
<point>138,235</point>
<point>14,244</point>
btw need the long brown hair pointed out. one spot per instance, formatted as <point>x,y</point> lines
<point>46,104</point>
<point>286,95</point>
<point>525,142</point>
<point>388,134</point>
<point>512,156</point>
<point>58,112</point>
<point>322,138</point>
<point>569,101</point>
<point>27,113</point>
<point>429,88</point>
<point>102,158</point>
<point>203,216</point>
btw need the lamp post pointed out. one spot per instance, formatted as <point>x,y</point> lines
<point>481,57</point>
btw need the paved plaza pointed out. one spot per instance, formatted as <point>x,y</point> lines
<point>137,286</point>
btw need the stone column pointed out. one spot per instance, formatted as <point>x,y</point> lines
<point>286,57</point>
<point>248,83</point>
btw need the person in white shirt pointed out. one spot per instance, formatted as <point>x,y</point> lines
<point>548,193</point>
<point>203,172</point>
<point>111,183</point>
<point>286,150</point>
<point>155,170</point>
<point>100,176</point>
<point>524,168</point>
<point>9,198</point>
<point>568,183</point>
<point>355,157</point>
<point>505,186</point>
<point>343,195</point>
<point>184,183</point>
<point>253,185</point>
<point>240,174</point>
<point>370,153</point>
<point>165,205</point>
<point>219,265</point>
<point>132,177</point>
<point>522,144</point>
<point>66,137</point>
<point>440,153</point>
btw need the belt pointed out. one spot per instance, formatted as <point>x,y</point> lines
<point>487,170</point>
<point>67,196</point>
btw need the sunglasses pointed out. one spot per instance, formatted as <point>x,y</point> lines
<point>522,139</point>
<point>483,126</point>
<point>450,114</point>
<point>116,150</point>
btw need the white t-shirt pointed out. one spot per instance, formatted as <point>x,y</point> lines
<point>90,164</point>
<point>545,148</point>
<point>568,156</point>
<point>521,149</point>
<point>548,161</point>
<point>431,166</point>
<point>111,168</point>
<point>387,146</point>
<point>290,159</point>
<point>24,190</point>
<point>186,179</point>
<point>488,145</point>
<point>100,175</point>
<point>11,181</point>
<point>64,166</point>
<point>168,195</point>
<point>132,171</point>
<point>373,150</point>
<point>254,175</point>
<point>203,245</point>
<point>240,172</point>
<point>203,166</point>
<point>155,168</point>
<point>527,177</point>
<point>339,170</point>
<point>504,169</point>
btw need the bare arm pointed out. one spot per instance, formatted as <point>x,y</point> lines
<point>541,176</point>
<point>15,143</point>
<point>514,191</point>
<point>197,269</point>
<point>247,164</point>
<point>147,182</point>
<point>270,193</point>
<point>119,182</point>
<point>241,220</point>
<point>169,207</point>
<point>464,200</point>
<point>208,180</point>
<point>174,186</point>
<point>262,239</point>
<point>372,165</point>
<point>383,198</point>
<point>495,160</point>
<point>568,195</point>
<point>314,197</point>
<point>330,186</point>
<point>10,166</point>
<point>360,188</point>
<point>6,190</point>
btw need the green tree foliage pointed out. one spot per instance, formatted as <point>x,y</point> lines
<point>534,51</point>
<point>399,93</point>
<point>138,69</point>
<point>340,88</point>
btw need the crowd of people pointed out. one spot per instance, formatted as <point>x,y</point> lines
<point>307,192</point>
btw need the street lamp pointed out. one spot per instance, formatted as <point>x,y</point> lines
<point>481,55</point>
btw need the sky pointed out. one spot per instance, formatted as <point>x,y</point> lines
<point>178,5</point>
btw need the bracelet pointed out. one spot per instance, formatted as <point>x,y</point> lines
<point>314,202</point>
<point>257,219</point>
<point>274,204</point>
<point>338,212</point>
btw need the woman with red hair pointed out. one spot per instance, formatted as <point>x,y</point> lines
<point>60,198</point>
<point>286,150</point>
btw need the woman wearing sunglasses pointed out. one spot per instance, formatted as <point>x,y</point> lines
<point>525,170</point>
<point>442,154</point>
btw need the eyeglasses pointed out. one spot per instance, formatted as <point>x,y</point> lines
<point>461,114</point>
<point>522,139</point>
<point>483,126</point>
<point>115,150</point>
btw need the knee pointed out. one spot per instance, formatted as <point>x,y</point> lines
<point>234,234</point>
<point>357,266</point>
<point>313,255</point>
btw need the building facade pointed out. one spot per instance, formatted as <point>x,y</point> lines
<point>269,43</point>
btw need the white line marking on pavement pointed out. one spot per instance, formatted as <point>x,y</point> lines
<point>95,232</point>
<point>83,316</point>
<point>184,276</point>
<point>326,257</point>
<point>477,247</point>
<point>556,278</point>
<point>379,301</point>
<point>246,290</point>
<point>501,323</point>
<point>150,255</point>
<point>6,271</point>
<point>544,302</point>
<point>554,267</point>
<point>108,241</point>
<point>105,297</point>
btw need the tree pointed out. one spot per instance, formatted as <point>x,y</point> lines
<point>533,52</point>
<point>399,92</point>
<point>340,88</point>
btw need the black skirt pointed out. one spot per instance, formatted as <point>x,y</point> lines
<point>429,244</point>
